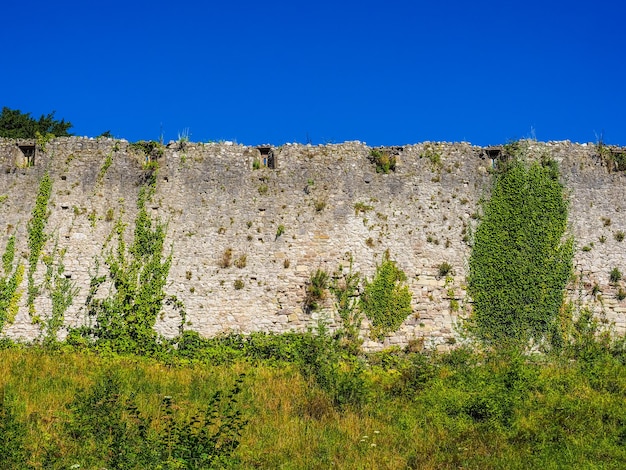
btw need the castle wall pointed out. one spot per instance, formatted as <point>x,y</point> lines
<point>214,200</point>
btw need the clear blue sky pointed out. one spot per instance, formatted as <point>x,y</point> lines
<point>386,72</point>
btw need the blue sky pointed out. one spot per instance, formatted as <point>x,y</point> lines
<point>387,73</point>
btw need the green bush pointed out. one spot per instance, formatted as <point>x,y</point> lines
<point>520,264</point>
<point>386,300</point>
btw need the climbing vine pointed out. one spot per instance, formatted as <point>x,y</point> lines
<point>520,261</point>
<point>124,321</point>
<point>386,300</point>
<point>10,280</point>
<point>62,292</point>
<point>345,287</point>
<point>37,237</point>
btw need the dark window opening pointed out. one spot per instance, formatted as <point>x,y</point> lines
<point>29,153</point>
<point>494,154</point>
<point>267,157</point>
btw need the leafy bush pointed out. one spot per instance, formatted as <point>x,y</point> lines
<point>386,300</point>
<point>320,362</point>
<point>520,265</point>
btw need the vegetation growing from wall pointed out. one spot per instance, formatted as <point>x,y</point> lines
<point>520,262</point>
<point>10,280</point>
<point>386,300</point>
<point>315,290</point>
<point>345,287</point>
<point>62,291</point>
<point>124,321</point>
<point>150,149</point>
<point>37,238</point>
<point>383,161</point>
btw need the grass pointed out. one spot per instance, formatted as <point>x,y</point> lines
<point>461,409</point>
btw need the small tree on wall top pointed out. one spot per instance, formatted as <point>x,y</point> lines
<point>17,125</point>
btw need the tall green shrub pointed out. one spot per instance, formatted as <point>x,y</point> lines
<point>520,261</point>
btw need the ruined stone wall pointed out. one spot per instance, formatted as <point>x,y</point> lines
<point>214,200</point>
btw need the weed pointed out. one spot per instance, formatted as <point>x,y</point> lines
<point>150,149</point>
<point>263,189</point>
<point>444,269</point>
<point>108,217</point>
<point>227,258</point>
<point>108,161</point>
<point>619,235</point>
<point>279,231</point>
<point>315,291</point>
<point>319,205</point>
<point>238,284</point>
<point>433,154</point>
<point>615,276</point>
<point>241,261</point>
<point>361,207</point>
<point>93,218</point>
<point>383,160</point>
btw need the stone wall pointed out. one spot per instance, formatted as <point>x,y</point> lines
<point>214,200</point>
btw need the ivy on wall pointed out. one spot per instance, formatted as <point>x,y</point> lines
<point>62,291</point>
<point>124,321</point>
<point>37,238</point>
<point>386,300</point>
<point>520,262</point>
<point>10,280</point>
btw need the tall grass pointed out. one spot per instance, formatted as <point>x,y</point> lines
<point>463,409</point>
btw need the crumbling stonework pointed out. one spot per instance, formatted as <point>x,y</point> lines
<point>318,206</point>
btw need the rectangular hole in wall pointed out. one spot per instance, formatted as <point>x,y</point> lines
<point>29,153</point>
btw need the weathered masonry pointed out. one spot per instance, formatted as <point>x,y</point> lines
<point>301,208</point>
